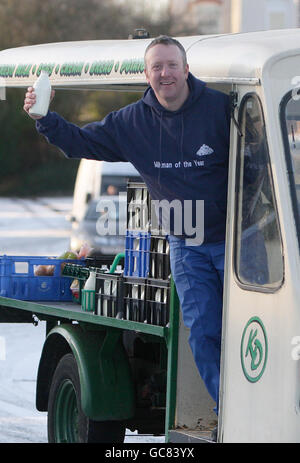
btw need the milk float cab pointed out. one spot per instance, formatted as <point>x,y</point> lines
<point>260,387</point>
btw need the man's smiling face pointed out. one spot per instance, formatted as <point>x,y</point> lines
<point>166,73</point>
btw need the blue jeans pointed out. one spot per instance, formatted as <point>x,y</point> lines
<point>198,273</point>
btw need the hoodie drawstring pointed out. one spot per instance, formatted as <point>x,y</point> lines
<point>160,145</point>
<point>181,144</point>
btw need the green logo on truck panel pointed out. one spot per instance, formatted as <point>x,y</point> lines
<point>48,67</point>
<point>7,70</point>
<point>254,349</point>
<point>23,70</point>
<point>101,68</point>
<point>132,66</point>
<point>71,69</point>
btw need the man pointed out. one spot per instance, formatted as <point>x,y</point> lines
<point>181,124</point>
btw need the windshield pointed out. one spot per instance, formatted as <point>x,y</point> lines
<point>117,209</point>
<point>115,184</point>
<point>290,117</point>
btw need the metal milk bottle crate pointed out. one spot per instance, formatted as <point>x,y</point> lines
<point>159,265</point>
<point>147,256</point>
<point>147,248</point>
<point>134,293</point>
<point>89,300</point>
<point>137,253</point>
<point>109,295</point>
<point>157,302</point>
<point>88,293</point>
<point>142,210</point>
<point>138,207</point>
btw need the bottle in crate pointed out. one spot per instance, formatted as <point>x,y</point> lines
<point>104,302</point>
<point>134,299</point>
<point>145,214</point>
<point>157,302</point>
<point>88,293</point>
<point>159,266</point>
<point>138,207</point>
<point>107,304</point>
<point>109,295</point>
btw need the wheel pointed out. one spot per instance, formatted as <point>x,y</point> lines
<point>66,421</point>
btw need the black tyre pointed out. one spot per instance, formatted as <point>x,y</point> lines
<point>66,421</point>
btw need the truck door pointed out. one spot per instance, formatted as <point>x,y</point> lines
<point>250,386</point>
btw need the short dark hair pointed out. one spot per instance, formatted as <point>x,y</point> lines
<point>166,40</point>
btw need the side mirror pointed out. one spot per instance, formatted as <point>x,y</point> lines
<point>70,218</point>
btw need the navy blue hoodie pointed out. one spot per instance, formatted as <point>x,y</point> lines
<point>179,154</point>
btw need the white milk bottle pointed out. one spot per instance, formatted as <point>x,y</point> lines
<point>105,300</point>
<point>42,89</point>
<point>91,281</point>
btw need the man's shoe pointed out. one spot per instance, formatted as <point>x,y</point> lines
<point>214,434</point>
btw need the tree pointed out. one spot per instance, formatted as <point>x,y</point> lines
<point>30,165</point>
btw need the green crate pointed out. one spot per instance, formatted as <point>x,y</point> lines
<point>75,271</point>
<point>78,273</point>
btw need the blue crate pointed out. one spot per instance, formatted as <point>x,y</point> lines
<point>18,281</point>
<point>137,254</point>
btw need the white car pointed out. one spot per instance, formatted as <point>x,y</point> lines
<point>103,226</point>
